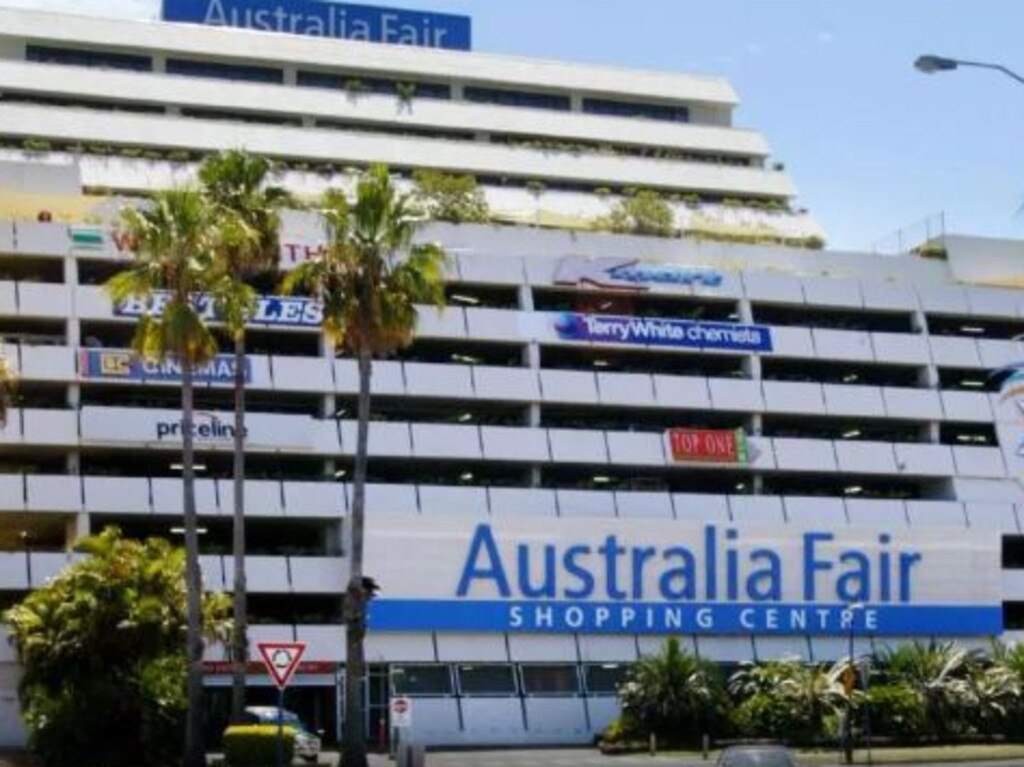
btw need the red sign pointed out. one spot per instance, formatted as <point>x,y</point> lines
<point>281,659</point>
<point>708,445</point>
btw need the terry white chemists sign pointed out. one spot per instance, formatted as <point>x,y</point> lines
<point>123,365</point>
<point>643,576</point>
<point>601,328</point>
<point>272,311</point>
<point>346,21</point>
<point>631,274</point>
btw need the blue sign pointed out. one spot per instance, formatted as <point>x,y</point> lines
<point>554,617</point>
<point>631,274</point>
<point>598,328</point>
<point>328,19</point>
<point>121,365</point>
<point>272,311</point>
<point>645,576</point>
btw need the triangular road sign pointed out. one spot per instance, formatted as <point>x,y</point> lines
<point>281,659</point>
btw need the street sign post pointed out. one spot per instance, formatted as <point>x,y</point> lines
<point>281,660</point>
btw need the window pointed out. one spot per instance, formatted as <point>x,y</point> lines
<point>516,98</point>
<point>486,679</point>
<point>221,71</point>
<point>1013,552</point>
<point>1013,616</point>
<point>77,57</point>
<point>604,678</point>
<point>550,680</point>
<point>421,680</point>
<point>669,112</point>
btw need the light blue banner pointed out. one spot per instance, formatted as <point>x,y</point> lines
<point>328,19</point>
<point>557,617</point>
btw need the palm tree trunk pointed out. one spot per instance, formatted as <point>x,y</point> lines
<point>239,643</point>
<point>354,747</point>
<point>195,755</point>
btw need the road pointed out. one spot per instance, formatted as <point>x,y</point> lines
<point>572,757</point>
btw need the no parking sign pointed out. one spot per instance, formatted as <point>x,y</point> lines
<point>401,712</point>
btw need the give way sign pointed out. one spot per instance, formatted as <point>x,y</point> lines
<point>281,660</point>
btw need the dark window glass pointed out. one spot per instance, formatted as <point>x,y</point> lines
<point>77,57</point>
<point>550,680</point>
<point>670,113</point>
<point>487,679</point>
<point>422,680</point>
<point>516,98</point>
<point>604,678</point>
<point>1013,616</point>
<point>1013,552</point>
<point>221,71</point>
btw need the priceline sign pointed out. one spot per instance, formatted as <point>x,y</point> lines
<point>328,19</point>
<point>646,577</point>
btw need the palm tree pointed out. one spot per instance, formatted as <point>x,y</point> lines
<point>174,236</point>
<point>248,211</point>
<point>369,278</point>
<point>673,694</point>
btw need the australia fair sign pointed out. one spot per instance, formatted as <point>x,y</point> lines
<point>648,577</point>
<point>320,18</point>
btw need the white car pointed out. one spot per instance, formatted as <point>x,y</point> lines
<point>307,744</point>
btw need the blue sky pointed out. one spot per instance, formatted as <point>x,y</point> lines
<point>872,144</point>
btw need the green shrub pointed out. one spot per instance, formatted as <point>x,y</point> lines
<point>451,197</point>
<point>255,745</point>
<point>766,715</point>
<point>644,212</point>
<point>36,145</point>
<point>896,711</point>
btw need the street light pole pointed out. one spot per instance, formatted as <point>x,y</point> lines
<point>848,685</point>
<point>930,64</point>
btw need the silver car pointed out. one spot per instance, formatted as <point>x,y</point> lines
<point>757,756</point>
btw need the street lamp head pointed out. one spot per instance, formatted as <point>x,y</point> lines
<point>932,64</point>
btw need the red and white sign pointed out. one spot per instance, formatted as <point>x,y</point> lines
<point>281,659</point>
<point>401,712</point>
<point>708,445</point>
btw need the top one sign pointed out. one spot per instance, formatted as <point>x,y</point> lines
<point>328,19</point>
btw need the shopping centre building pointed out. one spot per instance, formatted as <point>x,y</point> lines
<point>730,435</point>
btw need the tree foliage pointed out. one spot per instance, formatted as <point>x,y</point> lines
<point>918,691</point>
<point>674,695</point>
<point>645,212</point>
<point>451,197</point>
<point>103,652</point>
<point>787,699</point>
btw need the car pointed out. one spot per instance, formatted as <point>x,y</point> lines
<point>757,756</point>
<point>307,743</point>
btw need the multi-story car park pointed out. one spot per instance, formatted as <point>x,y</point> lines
<point>537,519</point>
